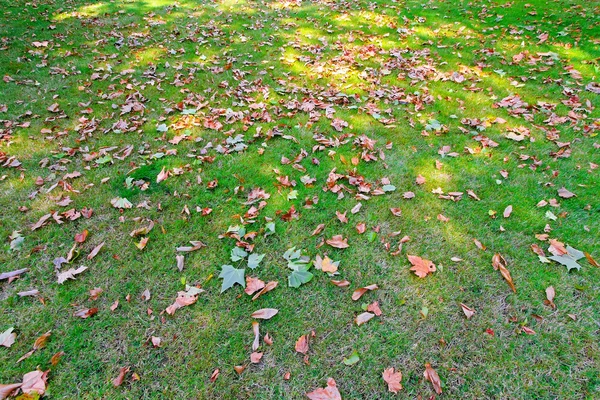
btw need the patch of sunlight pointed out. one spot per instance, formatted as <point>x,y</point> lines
<point>152,54</point>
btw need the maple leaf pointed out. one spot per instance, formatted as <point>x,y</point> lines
<point>338,242</point>
<point>69,274</point>
<point>231,276</point>
<point>330,392</point>
<point>183,299</point>
<point>35,382</point>
<point>253,285</point>
<point>393,379</point>
<point>421,267</point>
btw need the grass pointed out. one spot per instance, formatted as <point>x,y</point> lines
<point>231,54</point>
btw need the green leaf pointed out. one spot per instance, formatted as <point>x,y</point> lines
<point>269,229</point>
<point>353,359</point>
<point>371,236</point>
<point>238,254</point>
<point>162,128</point>
<point>254,260</point>
<point>299,277</point>
<point>231,276</point>
<point>388,188</point>
<point>292,195</point>
<point>292,254</point>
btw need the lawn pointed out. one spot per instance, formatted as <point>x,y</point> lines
<point>315,147</point>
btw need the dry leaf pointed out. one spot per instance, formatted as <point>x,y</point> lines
<point>265,313</point>
<point>393,380</point>
<point>7,338</point>
<point>361,227</point>
<point>69,274</point>
<point>302,344</point>
<point>253,285</point>
<point>268,287</point>
<point>498,262</point>
<point>342,283</point>
<point>184,299</point>
<point>331,392</point>
<point>338,242</point>
<point>318,229</point>
<point>256,331</point>
<point>39,343</point>
<point>564,193</point>
<point>80,237</point>
<point>359,292</point>
<point>85,313</point>
<point>469,312</point>
<point>95,251</point>
<point>214,375</point>
<point>156,341</point>
<point>550,293</point>
<point>255,357</point>
<point>56,358</point>
<point>507,211</point>
<point>35,382</point>
<point>6,390</point>
<point>433,377</point>
<point>374,308</point>
<point>364,317</point>
<point>421,267</point>
<point>118,381</point>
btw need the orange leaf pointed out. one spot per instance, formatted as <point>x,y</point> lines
<point>302,344</point>
<point>433,377</point>
<point>359,292</point>
<point>118,381</point>
<point>338,242</point>
<point>393,379</point>
<point>331,392</point>
<point>253,285</point>
<point>498,262</point>
<point>422,267</point>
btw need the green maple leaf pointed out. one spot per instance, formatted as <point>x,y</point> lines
<point>231,276</point>
<point>254,260</point>
<point>238,254</point>
<point>299,277</point>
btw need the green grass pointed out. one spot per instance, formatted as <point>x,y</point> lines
<point>233,54</point>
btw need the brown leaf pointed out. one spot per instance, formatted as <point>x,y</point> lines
<point>330,392</point>
<point>268,339</point>
<point>6,390</point>
<point>146,295</point>
<point>342,283</point>
<point>184,299</point>
<point>342,217</point>
<point>85,313</point>
<point>214,375</point>
<point>507,211</point>
<point>265,313</point>
<point>69,274</point>
<point>318,229</point>
<point>591,260</point>
<point>95,251</point>
<point>433,377</point>
<point>557,248</point>
<point>361,228</point>
<point>420,180</point>
<point>7,338</point>
<point>499,263</point>
<point>393,379</point>
<point>374,308</point>
<point>255,357</point>
<point>268,287</point>
<point>550,293</point>
<point>338,242</point>
<point>253,285</point>
<point>469,312</point>
<point>564,193</point>
<point>239,369</point>
<point>363,317</point>
<point>118,381</point>
<point>156,341</point>
<point>421,267</point>
<point>56,358</point>
<point>35,382</point>
<point>256,331</point>
<point>479,244</point>
<point>180,260</point>
<point>95,293</point>
<point>359,292</point>
<point>114,306</point>
<point>302,344</point>
<point>80,237</point>
<point>396,211</point>
<point>39,343</point>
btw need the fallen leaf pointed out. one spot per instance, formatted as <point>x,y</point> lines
<point>35,382</point>
<point>80,237</point>
<point>550,293</point>
<point>7,338</point>
<point>56,358</point>
<point>364,317</point>
<point>393,379</point>
<point>118,381</point>
<point>421,267</point>
<point>318,229</point>
<point>499,263</point>
<point>255,357</point>
<point>469,312</point>
<point>184,299</point>
<point>433,377</point>
<point>265,313</point>
<point>70,274</point>
<point>85,313</point>
<point>253,285</point>
<point>302,344</point>
<point>565,194</point>
<point>256,331</point>
<point>359,292</point>
<point>338,242</point>
<point>268,287</point>
<point>342,283</point>
<point>330,392</point>
<point>39,343</point>
<point>507,211</point>
<point>7,390</point>
<point>156,341</point>
<point>374,308</point>
<point>95,251</point>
